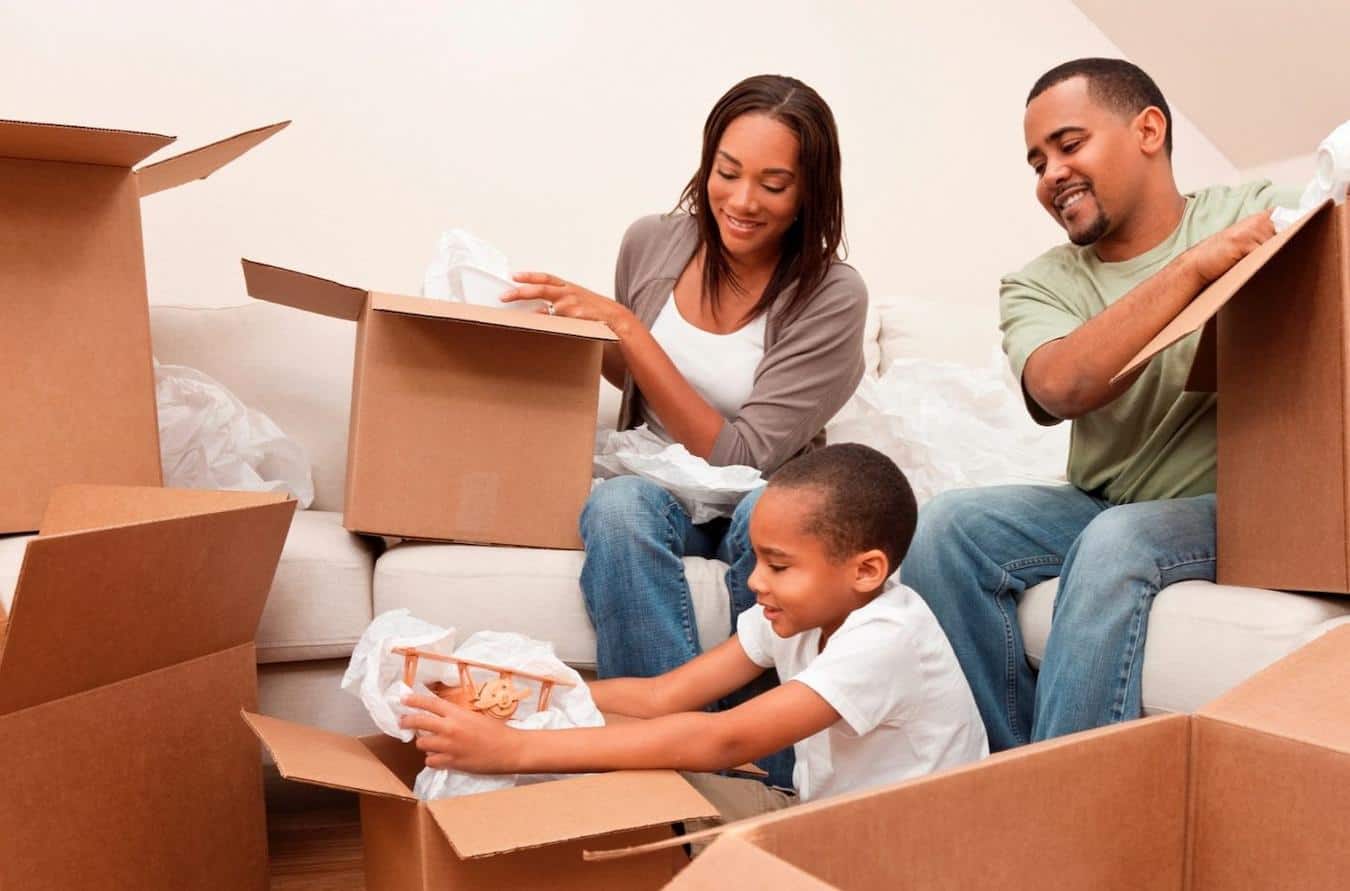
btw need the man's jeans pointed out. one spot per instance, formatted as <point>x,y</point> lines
<point>977,550</point>
<point>637,596</point>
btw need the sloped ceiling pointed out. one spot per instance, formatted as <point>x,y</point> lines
<point>1264,81</point>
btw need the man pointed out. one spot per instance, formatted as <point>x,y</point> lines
<point>1139,513</point>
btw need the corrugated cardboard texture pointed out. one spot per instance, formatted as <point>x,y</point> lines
<point>540,814</point>
<point>392,840</point>
<point>79,508</point>
<point>93,608</point>
<point>733,862</point>
<point>1100,810</point>
<point>152,782</point>
<point>322,758</point>
<point>495,318</point>
<point>24,140</point>
<point>1282,458</point>
<point>1269,812</point>
<point>200,163</point>
<point>307,292</point>
<point>470,433</point>
<point>78,403</point>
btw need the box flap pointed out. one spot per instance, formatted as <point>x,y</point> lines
<point>1204,375</point>
<point>575,808</point>
<point>486,315</point>
<point>96,607</point>
<point>735,862</point>
<point>77,145</point>
<point>202,162</point>
<point>1301,697</point>
<point>80,507</point>
<point>322,758</point>
<point>289,288</point>
<point>1209,301</point>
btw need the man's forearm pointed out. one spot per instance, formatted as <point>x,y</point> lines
<point>1072,376</point>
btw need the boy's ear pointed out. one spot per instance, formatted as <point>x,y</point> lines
<point>871,569</point>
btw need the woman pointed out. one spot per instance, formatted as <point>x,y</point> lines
<point>739,336</point>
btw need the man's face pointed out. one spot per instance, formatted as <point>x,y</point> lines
<point>1086,158</point>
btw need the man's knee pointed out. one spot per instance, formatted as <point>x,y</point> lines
<point>1147,537</point>
<point>740,517</point>
<point>621,505</point>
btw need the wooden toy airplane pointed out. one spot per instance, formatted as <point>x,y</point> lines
<point>499,697</point>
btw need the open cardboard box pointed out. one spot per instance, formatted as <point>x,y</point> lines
<point>126,657</point>
<point>78,404</point>
<point>1279,354</point>
<point>468,423</point>
<point>1252,792</point>
<point>525,837</point>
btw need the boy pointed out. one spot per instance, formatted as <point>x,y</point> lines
<point>871,691</point>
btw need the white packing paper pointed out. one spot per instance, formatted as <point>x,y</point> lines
<point>466,269</point>
<point>1331,178</point>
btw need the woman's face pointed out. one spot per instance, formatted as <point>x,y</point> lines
<point>754,189</point>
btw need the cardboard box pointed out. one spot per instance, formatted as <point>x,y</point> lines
<point>1279,354</point>
<point>525,837</point>
<point>78,405</point>
<point>126,657</point>
<point>468,423</point>
<point>1252,792</point>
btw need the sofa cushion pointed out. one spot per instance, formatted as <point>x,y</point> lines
<point>924,328</point>
<point>320,599</point>
<point>531,591</point>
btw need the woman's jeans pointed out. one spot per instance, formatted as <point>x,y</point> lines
<point>977,550</point>
<point>637,596</point>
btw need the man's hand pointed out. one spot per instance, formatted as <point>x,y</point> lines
<point>1217,254</point>
<point>459,739</point>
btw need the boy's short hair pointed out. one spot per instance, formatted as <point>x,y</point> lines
<point>866,501</point>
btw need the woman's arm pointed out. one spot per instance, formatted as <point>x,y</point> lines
<point>459,739</point>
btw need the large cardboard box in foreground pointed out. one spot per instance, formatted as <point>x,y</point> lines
<point>78,400</point>
<point>1252,792</point>
<point>468,424</point>
<point>1279,352</point>
<point>127,654</point>
<point>521,838</point>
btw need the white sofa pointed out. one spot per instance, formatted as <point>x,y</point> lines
<point>296,367</point>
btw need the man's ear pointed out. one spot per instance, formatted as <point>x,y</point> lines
<point>870,571</point>
<point>1150,129</point>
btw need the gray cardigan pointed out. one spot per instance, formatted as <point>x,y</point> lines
<point>812,363</point>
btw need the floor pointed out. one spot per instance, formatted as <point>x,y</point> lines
<point>314,839</point>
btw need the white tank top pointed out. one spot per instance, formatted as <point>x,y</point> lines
<point>720,367</point>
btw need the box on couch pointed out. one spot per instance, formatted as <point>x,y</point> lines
<point>78,405</point>
<point>1248,793</point>
<point>1279,355</point>
<point>528,836</point>
<point>468,423</point>
<point>127,654</point>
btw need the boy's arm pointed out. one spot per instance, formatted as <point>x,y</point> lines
<point>459,739</point>
<point>703,679</point>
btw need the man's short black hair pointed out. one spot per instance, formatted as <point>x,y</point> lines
<point>866,502</point>
<point>1115,83</point>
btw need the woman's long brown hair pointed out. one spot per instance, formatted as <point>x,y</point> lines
<point>815,238</point>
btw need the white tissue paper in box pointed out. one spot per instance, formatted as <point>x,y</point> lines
<point>704,491</point>
<point>568,707</point>
<point>1330,180</point>
<point>953,426</point>
<point>375,672</point>
<point>466,269</point>
<point>208,439</point>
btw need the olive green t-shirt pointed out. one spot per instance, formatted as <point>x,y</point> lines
<point>1155,440</point>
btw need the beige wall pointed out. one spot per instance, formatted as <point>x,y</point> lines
<point>546,127</point>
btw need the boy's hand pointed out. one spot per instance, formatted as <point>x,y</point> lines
<point>459,739</point>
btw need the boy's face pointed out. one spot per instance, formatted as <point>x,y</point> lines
<point>797,581</point>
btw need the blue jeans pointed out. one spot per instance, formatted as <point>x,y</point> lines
<point>636,593</point>
<point>976,550</point>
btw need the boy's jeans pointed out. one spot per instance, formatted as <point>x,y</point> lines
<point>977,550</point>
<point>636,536</point>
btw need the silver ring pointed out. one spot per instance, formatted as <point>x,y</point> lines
<point>552,310</point>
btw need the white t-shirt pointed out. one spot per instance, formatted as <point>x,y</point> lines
<point>891,674</point>
<point>720,367</point>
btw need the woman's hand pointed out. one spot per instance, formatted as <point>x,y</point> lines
<point>459,739</point>
<point>570,300</point>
